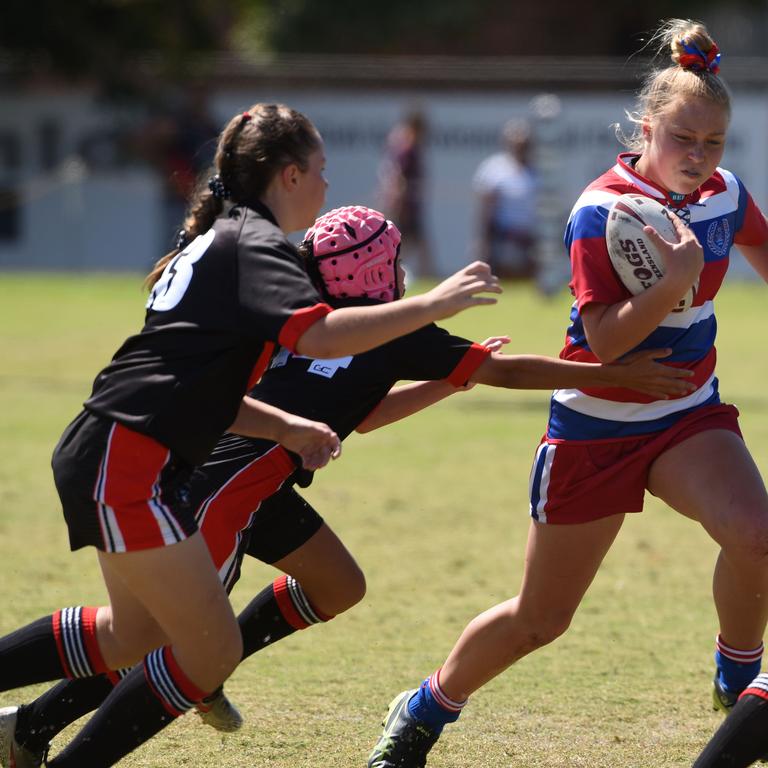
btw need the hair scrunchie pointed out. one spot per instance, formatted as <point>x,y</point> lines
<point>695,59</point>
<point>218,188</point>
<point>182,239</point>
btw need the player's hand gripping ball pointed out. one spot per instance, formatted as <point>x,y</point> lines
<point>637,261</point>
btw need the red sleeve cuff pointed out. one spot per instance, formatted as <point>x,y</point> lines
<point>298,322</point>
<point>468,365</point>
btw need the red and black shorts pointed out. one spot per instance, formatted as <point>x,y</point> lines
<point>121,491</point>
<point>228,493</point>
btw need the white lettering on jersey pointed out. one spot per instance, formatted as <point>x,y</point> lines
<point>169,290</point>
<point>319,367</point>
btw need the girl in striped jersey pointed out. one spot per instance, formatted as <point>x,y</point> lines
<point>602,450</point>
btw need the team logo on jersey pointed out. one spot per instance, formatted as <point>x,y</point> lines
<point>719,237</point>
<point>317,366</point>
<point>328,367</point>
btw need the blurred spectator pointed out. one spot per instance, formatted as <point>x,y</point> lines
<point>505,186</point>
<point>402,187</point>
<point>179,142</point>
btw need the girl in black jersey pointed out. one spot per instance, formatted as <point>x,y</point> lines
<point>353,253</point>
<point>217,309</point>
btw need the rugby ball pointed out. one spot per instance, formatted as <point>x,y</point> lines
<point>637,261</point>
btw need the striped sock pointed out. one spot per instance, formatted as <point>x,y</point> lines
<point>431,705</point>
<point>741,739</point>
<point>61,645</point>
<point>736,668</point>
<point>277,611</point>
<point>151,696</point>
<point>75,633</point>
<point>176,692</point>
<point>758,687</point>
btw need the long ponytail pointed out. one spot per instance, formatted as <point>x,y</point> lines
<point>252,148</point>
<point>204,209</point>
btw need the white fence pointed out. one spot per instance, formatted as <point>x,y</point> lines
<point>80,206</point>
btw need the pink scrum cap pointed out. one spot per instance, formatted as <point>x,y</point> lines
<point>355,250</point>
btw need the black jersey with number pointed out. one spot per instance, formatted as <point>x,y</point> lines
<point>213,320</point>
<point>343,391</point>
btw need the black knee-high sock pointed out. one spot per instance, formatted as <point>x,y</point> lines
<point>743,737</point>
<point>277,611</point>
<point>61,645</point>
<point>151,696</point>
<point>42,719</point>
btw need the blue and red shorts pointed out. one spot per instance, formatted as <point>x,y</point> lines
<point>578,481</point>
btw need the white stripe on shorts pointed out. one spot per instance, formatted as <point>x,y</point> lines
<point>543,487</point>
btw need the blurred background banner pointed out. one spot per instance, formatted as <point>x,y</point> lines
<point>108,116</point>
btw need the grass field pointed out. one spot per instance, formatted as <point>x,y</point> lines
<point>435,510</point>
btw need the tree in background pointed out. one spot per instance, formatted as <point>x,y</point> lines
<point>105,38</point>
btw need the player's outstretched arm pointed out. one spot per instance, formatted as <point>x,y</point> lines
<point>351,330</point>
<point>316,443</point>
<point>639,371</point>
<point>405,400</point>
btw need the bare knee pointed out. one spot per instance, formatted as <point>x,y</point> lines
<point>345,592</point>
<point>123,641</point>
<point>537,630</point>
<point>749,547</point>
<point>210,657</point>
<point>549,630</point>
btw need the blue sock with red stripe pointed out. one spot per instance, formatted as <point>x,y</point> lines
<point>432,706</point>
<point>736,668</point>
<point>151,696</point>
<point>277,611</point>
<point>61,645</point>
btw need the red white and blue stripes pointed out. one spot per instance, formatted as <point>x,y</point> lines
<point>749,656</point>
<point>736,667</point>
<point>439,695</point>
<point>538,482</point>
<point>721,213</point>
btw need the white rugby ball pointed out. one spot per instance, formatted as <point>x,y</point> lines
<point>637,261</point>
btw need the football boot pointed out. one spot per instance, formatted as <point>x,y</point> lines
<point>405,741</point>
